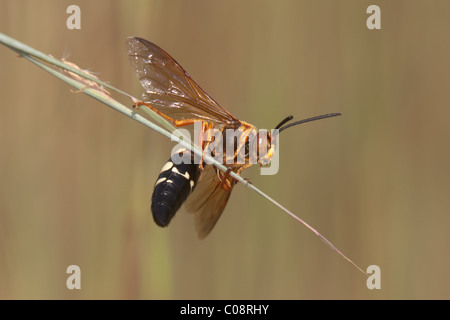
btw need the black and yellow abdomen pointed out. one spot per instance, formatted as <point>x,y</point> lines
<point>173,186</point>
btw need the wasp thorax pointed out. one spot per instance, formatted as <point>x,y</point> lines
<point>233,146</point>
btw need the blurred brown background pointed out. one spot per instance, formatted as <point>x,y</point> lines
<point>76,177</point>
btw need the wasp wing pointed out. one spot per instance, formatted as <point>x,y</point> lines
<point>209,199</point>
<point>169,88</point>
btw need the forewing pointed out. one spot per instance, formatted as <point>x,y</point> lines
<point>169,88</point>
<point>208,201</point>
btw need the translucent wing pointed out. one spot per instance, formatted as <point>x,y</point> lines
<point>169,88</point>
<point>208,200</point>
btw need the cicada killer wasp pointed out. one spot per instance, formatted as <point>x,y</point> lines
<point>173,94</point>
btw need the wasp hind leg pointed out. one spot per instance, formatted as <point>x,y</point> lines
<point>176,123</point>
<point>227,181</point>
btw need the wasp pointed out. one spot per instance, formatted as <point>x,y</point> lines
<point>174,95</point>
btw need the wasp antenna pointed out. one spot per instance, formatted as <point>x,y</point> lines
<point>288,118</point>
<point>323,116</point>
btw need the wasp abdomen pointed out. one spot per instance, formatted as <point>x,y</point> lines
<point>173,186</point>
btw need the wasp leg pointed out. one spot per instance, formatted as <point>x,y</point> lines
<point>176,123</point>
<point>205,143</point>
<point>185,122</point>
<point>223,177</point>
<point>245,166</point>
